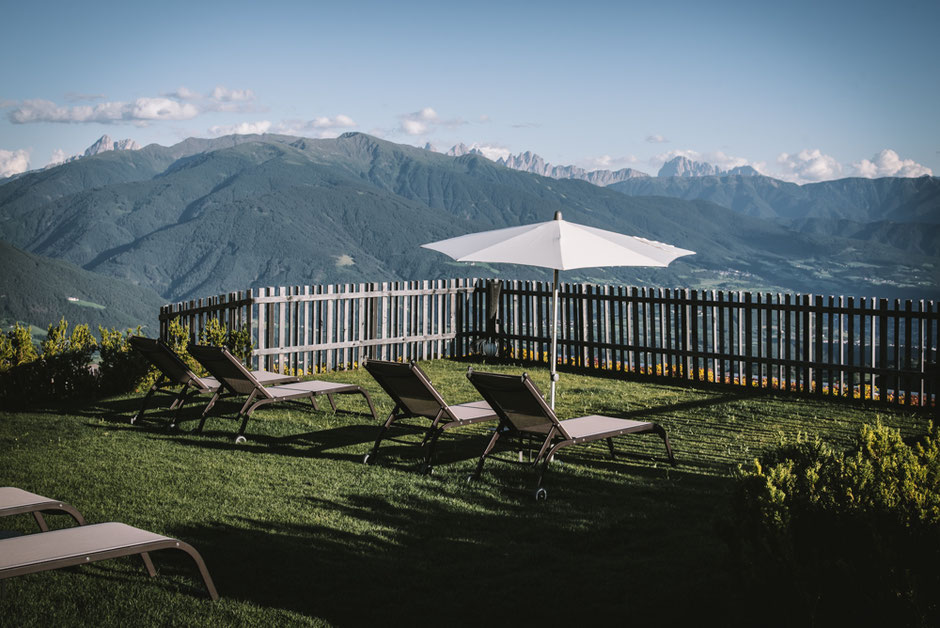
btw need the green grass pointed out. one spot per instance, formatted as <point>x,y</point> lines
<point>297,531</point>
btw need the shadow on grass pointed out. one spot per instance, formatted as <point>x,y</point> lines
<point>463,556</point>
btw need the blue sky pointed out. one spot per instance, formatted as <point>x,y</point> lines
<point>803,91</point>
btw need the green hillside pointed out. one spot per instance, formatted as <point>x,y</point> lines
<point>37,290</point>
<point>210,216</point>
<point>858,200</point>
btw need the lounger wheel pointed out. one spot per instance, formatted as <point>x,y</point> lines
<point>365,459</point>
<point>240,439</point>
<point>471,478</point>
<point>133,419</point>
<point>427,469</point>
<point>541,495</point>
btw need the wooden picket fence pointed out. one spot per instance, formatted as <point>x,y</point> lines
<point>827,346</point>
<point>311,329</point>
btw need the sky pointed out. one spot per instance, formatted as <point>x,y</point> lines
<point>803,91</point>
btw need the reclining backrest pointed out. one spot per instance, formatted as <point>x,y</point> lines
<point>516,400</point>
<point>162,357</point>
<point>408,386</point>
<point>223,366</point>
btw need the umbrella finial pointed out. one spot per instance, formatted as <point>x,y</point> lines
<point>558,215</point>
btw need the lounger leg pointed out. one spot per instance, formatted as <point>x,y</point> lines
<point>610,444</point>
<point>41,521</point>
<point>201,565</point>
<point>489,448</point>
<point>545,461</point>
<point>205,411</point>
<point>148,564</point>
<point>433,428</point>
<point>365,394</point>
<point>662,434</point>
<point>332,403</point>
<point>180,398</point>
<point>373,455</point>
<point>245,414</point>
<point>143,406</point>
<point>313,402</point>
<point>428,466</point>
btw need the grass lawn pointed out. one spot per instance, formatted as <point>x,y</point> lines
<point>296,530</point>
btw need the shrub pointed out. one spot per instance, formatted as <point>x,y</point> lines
<point>16,348</point>
<point>121,368</point>
<point>65,361</point>
<point>238,341</point>
<point>830,537</point>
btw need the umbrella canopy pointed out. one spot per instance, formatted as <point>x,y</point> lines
<point>559,245</point>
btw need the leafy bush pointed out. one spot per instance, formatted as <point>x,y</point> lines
<point>833,538</point>
<point>65,361</point>
<point>16,348</point>
<point>238,341</point>
<point>121,368</point>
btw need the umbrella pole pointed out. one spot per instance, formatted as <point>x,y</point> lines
<point>554,355</point>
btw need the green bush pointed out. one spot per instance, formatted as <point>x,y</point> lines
<point>238,341</point>
<point>65,362</point>
<point>831,538</point>
<point>16,348</point>
<point>121,368</point>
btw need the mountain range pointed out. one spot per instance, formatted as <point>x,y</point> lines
<point>207,216</point>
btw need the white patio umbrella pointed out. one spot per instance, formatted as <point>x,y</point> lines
<point>558,245</point>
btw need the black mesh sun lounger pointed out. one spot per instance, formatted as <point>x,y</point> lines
<point>174,372</point>
<point>522,409</point>
<point>415,396</point>
<point>15,501</point>
<point>81,545</point>
<point>238,380</point>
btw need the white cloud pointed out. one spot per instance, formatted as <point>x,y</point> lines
<point>492,152</point>
<point>414,127</point>
<point>321,126</point>
<point>245,128</point>
<point>184,93</point>
<point>338,122</point>
<point>424,121</point>
<point>607,162</point>
<point>418,122</point>
<point>58,156</point>
<point>142,110</point>
<point>13,162</point>
<point>656,139</point>
<point>183,104</point>
<point>808,166</point>
<point>223,94</point>
<point>888,163</point>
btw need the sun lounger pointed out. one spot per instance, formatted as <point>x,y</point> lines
<point>175,372</point>
<point>85,544</point>
<point>415,396</point>
<point>238,380</point>
<point>15,501</point>
<point>522,408</point>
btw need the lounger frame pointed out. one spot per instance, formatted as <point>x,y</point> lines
<point>237,380</point>
<point>522,409</point>
<point>38,546</point>
<point>15,501</point>
<point>175,372</point>
<point>415,396</point>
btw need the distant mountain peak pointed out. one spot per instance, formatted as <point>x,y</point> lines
<point>105,143</point>
<point>531,162</point>
<point>682,166</point>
